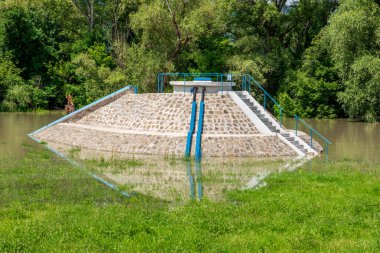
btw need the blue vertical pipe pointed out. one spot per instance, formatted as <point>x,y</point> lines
<point>192,122</point>
<point>191,130</point>
<point>198,148</point>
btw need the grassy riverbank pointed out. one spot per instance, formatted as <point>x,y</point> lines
<point>47,205</point>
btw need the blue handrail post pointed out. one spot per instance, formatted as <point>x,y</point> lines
<point>221,82</point>
<point>265,101</point>
<point>327,151</point>
<point>161,83</point>
<point>230,76</point>
<point>249,85</point>
<point>184,83</point>
<point>296,119</point>
<point>158,82</point>
<point>280,117</point>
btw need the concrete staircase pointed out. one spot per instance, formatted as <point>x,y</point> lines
<point>271,123</point>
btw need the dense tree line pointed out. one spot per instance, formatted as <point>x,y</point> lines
<point>319,57</point>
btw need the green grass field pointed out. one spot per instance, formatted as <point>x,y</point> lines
<point>47,205</point>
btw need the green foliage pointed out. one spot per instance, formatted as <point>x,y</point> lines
<point>346,53</point>
<point>90,48</point>
<point>10,76</point>
<point>311,91</point>
<point>361,97</point>
<point>95,72</point>
<point>18,97</point>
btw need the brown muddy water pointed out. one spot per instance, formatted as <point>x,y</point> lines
<point>177,180</point>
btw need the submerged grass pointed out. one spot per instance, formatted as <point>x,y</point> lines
<point>49,206</point>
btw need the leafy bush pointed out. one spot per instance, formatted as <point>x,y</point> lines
<point>18,97</point>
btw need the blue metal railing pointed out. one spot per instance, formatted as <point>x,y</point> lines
<point>245,82</point>
<point>266,95</point>
<point>297,119</point>
<point>222,78</point>
<point>312,131</point>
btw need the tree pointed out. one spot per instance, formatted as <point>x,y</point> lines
<point>361,97</point>
<point>350,44</point>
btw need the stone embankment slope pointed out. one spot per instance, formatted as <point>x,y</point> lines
<point>158,124</point>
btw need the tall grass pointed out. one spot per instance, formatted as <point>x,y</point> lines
<point>49,206</point>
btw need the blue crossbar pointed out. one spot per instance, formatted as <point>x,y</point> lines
<point>202,79</point>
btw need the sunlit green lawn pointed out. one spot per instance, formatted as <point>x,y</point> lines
<point>47,205</point>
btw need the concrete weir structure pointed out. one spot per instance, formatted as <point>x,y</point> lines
<point>234,125</point>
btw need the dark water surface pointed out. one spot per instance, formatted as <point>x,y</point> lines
<point>350,139</point>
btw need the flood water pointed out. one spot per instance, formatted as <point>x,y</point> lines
<point>350,139</point>
<point>172,180</point>
<point>356,140</point>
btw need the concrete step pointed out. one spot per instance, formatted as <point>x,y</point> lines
<point>262,116</point>
<point>274,129</point>
<point>257,112</point>
<point>290,138</point>
<point>286,134</point>
<point>253,108</point>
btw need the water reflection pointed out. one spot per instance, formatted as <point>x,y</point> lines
<point>177,180</point>
<point>195,180</point>
<point>174,179</point>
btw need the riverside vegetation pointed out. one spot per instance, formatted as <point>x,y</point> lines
<point>319,58</point>
<point>50,206</point>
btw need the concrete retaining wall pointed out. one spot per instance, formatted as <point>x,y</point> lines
<point>158,124</point>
